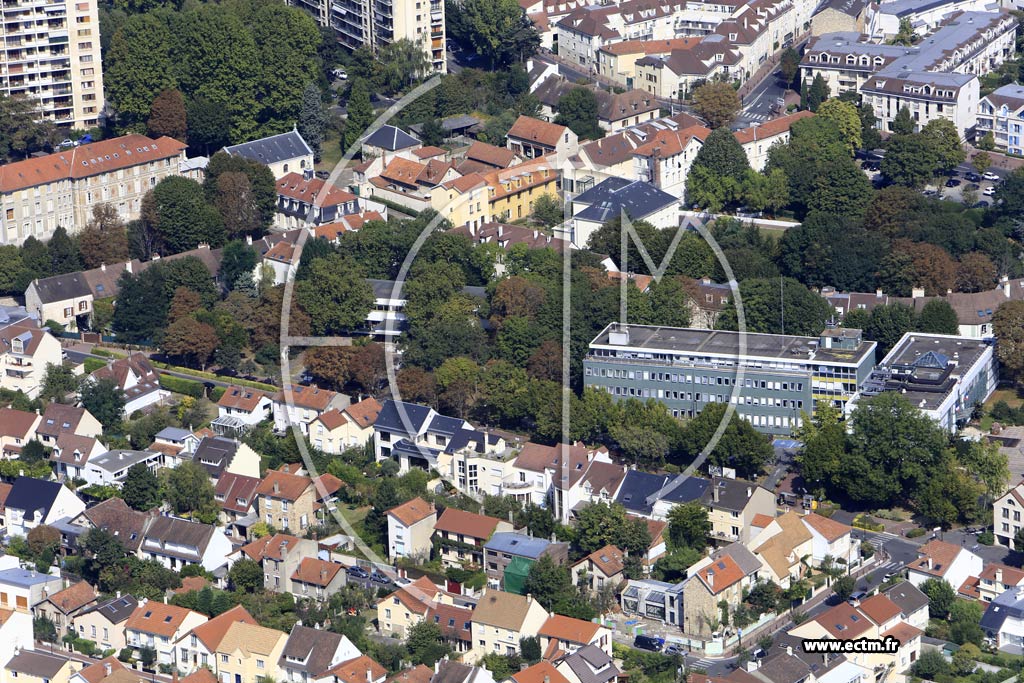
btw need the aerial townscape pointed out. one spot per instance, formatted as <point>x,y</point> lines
<point>497,341</point>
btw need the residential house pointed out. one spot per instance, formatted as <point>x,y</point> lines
<point>29,666</point>
<point>40,193</point>
<point>1000,114</point>
<point>1007,511</point>
<point>912,602</point>
<point>725,575</point>
<point>530,138</point>
<point>413,434</point>
<point>830,538</point>
<point>482,157</point>
<point>362,669</point>
<point>111,468</point>
<point>1003,621</point>
<point>219,455</point>
<point>279,555</point>
<point>783,548</point>
<point>563,477</point>
<point>461,536</point>
<point>25,353</point>
<point>541,672</point>
<point>508,557</point>
<point>410,528</point>
<point>17,427</point>
<point>406,607</point>
<point>657,529</point>
<point>317,579</point>
<point>176,543</point>
<point>303,404</point>
<point>107,670</point>
<point>117,519</point>
<point>103,623</point>
<point>940,560</point>
<point>304,200</point>
<point>249,653</point>
<point>601,568</point>
<point>403,181</point>
<point>197,648</point>
<point>136,377</point>
<point>615,110</point>
<point>236,494</point>
<point>23,589</point>
<point>758,138</point>
<point>33,502</point>
<point>283,153</point>
<point>184,440</point>
<point>612,197</point>
<point>665,158</point>
<point>66,299</point>
<point>994,580</point>
<point>508,194</point>
<point>418,674</point>
<point>72,453</point>
<point>65,605</point>
<point>311,652</point>
<point>58,417</point>
<point>455,623</point>
<point>732,504</point>
<point>337,430</point>
<point>240,408</point>
<point>286,501</point>
<point>448,671</point>
<point>565,635</point>
<point>387,141</point>
<point>501,619</point>
<point>590,664</point>
<point>159,626</point>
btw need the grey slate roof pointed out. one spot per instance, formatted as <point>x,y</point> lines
<point>610,197</point>
<point>116,609</point>
<point>784,668</point>
<point>637,487</point>
<point>907,597</point>
<point>37,664</point>
<point>272,149</point>
<point>401,416</point>
<point>214,454</point>
<point>32,496</point>
<point>111,461</point>
<point>453,672</point>
<point>1008,604</point>
<point>314,646</point>
<point>62,287</point>
<point>744,559</point>
<point>517,544</point>
<point>390,138</point>
<point>732,493</point>
<point>173,434</point>
<point>177,532</point>
<point>16,576</point>
<point>592,665</point>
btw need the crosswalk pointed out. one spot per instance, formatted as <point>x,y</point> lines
<point>701,664</point>
<point>757,117</point>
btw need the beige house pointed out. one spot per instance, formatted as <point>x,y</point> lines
<point>1007,511</point>
<point>103,623</point>
<point>286,501</point>
<point>64,606</point>
<point>279,555</point>
<point>410,528</point>
<point>17,427</point>
<point>249,653</point>
<point>785,549</point>
<point>408,606</point>
<point>59,418</point>
<point>25,353</point>
<point>30,666</point>
<point>159,626</point>
<point>562,634</point>
<point>725,575</point>
<point>340,429</point>
<point>38,194</point>
<point>601,568</point>
<point>317,579</point>
<point>197,648</point>
<point>501,619</point>
<point>461,536</point>
<point>732,505</point>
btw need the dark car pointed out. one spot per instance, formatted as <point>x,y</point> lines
<point>952,182</point>
<point>379,578</point>
<point>973,177</point>
<point>358,572</point>
<point>652,643</point>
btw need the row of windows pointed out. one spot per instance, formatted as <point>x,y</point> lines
<point>695,379</point>
<point>705,398</point>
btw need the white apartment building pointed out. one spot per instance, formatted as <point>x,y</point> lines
<point>375,23</point>
<point>1001,113</point>
<point>50,54</point>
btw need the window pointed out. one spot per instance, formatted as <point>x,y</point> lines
<point>259,664</point>
<point>223,659</point>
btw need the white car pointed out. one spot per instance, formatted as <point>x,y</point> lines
<point>989,175</point>
<point>989,191</point>
<point>340,74</point>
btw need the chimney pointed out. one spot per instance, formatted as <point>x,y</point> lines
<point>714,491</point>
<point>248,240</point>
<point>711,578</point>
<point>107,669</point>
<point>118,594</point>
<point>789,650</point>
<point>878,293</point>
<point>369,675</point>
<point>1004,281</point>
<point>277,487</point>
<point>750,491</point>
<point>929,563</point>
<point>529,598</point>
<point>999,575</point>
<point>103,267</point>
<point>128,266</point>
<point>165,599</point>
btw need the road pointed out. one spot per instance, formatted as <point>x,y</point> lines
<point>758,105</point>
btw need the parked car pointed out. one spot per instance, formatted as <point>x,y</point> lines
<point>674,649</point>
<point>952,182</point>
<point>358,572</point>
<point>989,175</point>
<point>989,191</point>
<point>379,578</point>
<point>972,177</point>
<point>759,654</point>
<point>856,597</point>
<point>652,643</point>
<point>339,74</point>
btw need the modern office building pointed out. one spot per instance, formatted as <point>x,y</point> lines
<point>375,23</point>
<point>945,376</point>
<point>686,369</point>
<point>50,54</point>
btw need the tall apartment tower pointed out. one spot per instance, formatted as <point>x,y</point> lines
<point>376,23</point>
<point>50,53</point>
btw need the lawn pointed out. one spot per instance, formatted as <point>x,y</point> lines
<point>354,517</point>
<point>1012,398</point>
<point>330,152</point>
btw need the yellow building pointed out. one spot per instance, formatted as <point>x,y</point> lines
<point>500,195</point>
<point>29,666</point>
<point>249,652</point>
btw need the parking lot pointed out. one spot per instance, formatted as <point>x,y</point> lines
<point>963,183</point>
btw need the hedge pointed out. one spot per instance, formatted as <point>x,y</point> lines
<point>188,387</point>
<point>209,375</point>
<point>93,364</point>
<point>216,393</point>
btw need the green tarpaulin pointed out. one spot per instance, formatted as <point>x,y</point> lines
<point>515,575</point>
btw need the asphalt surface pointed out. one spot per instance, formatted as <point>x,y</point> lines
<point>759,105</point>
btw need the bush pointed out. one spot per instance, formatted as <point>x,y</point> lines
<point>216,393</point>
<point>867,522</point>
<point>92,365</point>
<point>914,533</point>
<point>188,387</point>
<point>986,538</point>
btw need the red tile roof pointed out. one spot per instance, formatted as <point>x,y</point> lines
<point>283,486</point>
<point>214,630</point>
<point>939,554</point>
<point>770,128</point>
<point>157,618</point>
<point>365,412</point>
<point>73,597</point>
<point>720,574</point>
<point>312,190</point>
<point>270,546</point>
<point>415,510</point>
<point>879,608</point>
<point>568,629</point>
<point>241,398</point>
<point>541,672</point>
<point>466,523</point>
<point>829,528</point>
<point>16,423</point>
<point>535,130</point>
<point>362,669</point>
<point>316,571</point>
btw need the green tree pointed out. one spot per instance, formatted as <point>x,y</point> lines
<point>33,452</point>
<point>261,184</point>
<point>209,125</point>
<point>938,317</point>
<point>44,629</point>
<point>22,130</point>
<point>58,383</point>
<point>723,155</point>
<point>500,32</point>
<point>188,488</point>
<point>105,400</point>
<point>548,582</point>
<point>360,113</point>
<point>887,324</point>
<point>846,119</point>
<point>688,525</point>
<point>981,161</point>
<point>577,109</point>
<point>903,123</point>
<point>312,122</point>
<point>741,446</point>
<point>11,267</point>
<point>237,259</point>
<point>104,239</point>
<point>944,140</point>
<point>909,160</point>
<point>183,219</point>
<point>601,524</point>
<point>804,313</point>
<point>402,63</point>
<point>789,65</point>
<point>941,597</point>
<point>844,587</point>
<point>842,189</point>
<point>930,665</point>
<point>1008,326</point>
<point>246,576</point>
<point>63,253</point>
<point>716,102</point>
<point>817,92</point>
<point>138,66</point>
<point>336,297</point>
<point>548,211</point>
<point>425,643</point>
<point>141,488</point>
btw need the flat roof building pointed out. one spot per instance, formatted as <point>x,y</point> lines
<point>687,368</point>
